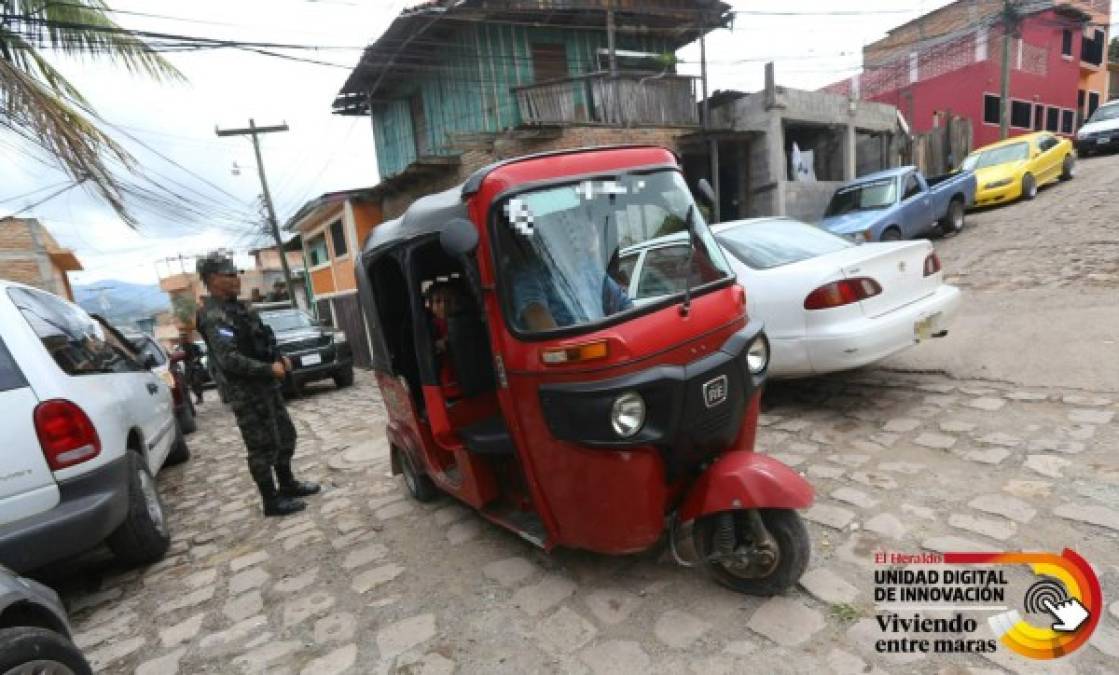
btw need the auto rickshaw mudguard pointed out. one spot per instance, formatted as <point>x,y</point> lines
<point>741,479</point>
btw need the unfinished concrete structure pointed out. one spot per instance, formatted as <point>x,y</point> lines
<point>756,133</point>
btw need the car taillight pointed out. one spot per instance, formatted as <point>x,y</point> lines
<point>66,434</point>
<point>932,265</point>
<point>844,292</point>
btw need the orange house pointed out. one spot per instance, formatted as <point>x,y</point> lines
<point>332,228</point>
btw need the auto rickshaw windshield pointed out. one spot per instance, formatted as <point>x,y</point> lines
<point>568,252</point>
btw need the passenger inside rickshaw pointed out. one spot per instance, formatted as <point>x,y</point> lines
<point>455,344</point>
<point>443,300</point>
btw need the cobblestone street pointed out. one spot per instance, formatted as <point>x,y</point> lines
<point>368,581</point>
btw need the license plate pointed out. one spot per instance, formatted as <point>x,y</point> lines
<point>923,329</point>
<point>1102,141</point>
<point>311,360</point>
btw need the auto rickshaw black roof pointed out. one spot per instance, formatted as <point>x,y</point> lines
<point>430,214</point>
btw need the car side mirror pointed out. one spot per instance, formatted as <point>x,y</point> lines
<point>150,362</point>
<point>706,191</point>
<point>459,238</point>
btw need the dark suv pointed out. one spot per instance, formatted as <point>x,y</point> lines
<point>316,352</point>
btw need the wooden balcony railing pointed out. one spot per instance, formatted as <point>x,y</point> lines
<point>629,99</point>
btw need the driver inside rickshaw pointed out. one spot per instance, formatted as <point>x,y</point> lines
<point>559,244</point>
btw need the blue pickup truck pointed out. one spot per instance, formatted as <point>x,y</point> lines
<point>899,204</point>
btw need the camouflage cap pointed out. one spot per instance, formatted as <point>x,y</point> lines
<point>215,262</point>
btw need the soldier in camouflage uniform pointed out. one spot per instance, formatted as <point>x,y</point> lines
<point>242,350</point>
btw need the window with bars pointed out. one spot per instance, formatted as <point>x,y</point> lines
<point>991,105</point>
<point>1052,119</point>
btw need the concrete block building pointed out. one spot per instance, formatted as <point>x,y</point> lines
<point>756,133</point>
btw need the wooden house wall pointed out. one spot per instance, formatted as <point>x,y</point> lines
<point>469,92</point>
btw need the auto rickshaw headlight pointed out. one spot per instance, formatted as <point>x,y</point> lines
<point>628,414</point>
<point>757,355</point>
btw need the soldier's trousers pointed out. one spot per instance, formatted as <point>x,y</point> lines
<point>267,431</point>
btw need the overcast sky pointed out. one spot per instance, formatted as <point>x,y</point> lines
<point>323,152</point>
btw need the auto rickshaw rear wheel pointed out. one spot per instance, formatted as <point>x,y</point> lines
<point>420,485</point>
<point>757,552</point>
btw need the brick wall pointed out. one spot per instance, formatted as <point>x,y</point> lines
<point>25,271</point>
<point>15,235</point>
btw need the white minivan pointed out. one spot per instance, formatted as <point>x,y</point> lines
<point>86,428</point>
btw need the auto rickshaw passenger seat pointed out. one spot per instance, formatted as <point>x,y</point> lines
<point>469,346</point>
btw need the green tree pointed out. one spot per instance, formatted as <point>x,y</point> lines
<point>44,108</point>
<point>1113,50</point>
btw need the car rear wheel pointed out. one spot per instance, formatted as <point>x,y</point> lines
<point>724,544</point>
<point>953,221</point>
<point>31,650</point>
<point>892,233</point>
<point>344,378</point>
<point>1068,168</point>
<point>187,423</point>
<point>143,537</point>
<point>1029,186</point>
<point>180,452</point>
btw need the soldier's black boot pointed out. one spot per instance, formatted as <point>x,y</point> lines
<point>289,487</point>
<point>278,504</point>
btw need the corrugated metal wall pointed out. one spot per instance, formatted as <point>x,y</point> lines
<point>470,92</point>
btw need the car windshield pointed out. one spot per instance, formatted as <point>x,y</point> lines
<point>877,194</point>
<point>560,247</point>
<point>1108,112</point>
<point>1017,152</point>
<point>766,244</point>
<point>281,322</point>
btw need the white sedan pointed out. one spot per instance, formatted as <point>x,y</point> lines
<point>829,305</point>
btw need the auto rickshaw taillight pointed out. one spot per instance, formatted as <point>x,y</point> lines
<point>584,352</point>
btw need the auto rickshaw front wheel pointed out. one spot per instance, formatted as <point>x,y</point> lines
<point>756,552</point>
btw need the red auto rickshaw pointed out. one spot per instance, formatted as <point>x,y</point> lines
<point>565,391</point>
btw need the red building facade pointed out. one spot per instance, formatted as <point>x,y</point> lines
<point>952,65</point>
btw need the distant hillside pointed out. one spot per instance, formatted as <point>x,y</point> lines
<point>120,301</point>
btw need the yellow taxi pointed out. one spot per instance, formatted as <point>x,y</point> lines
<point>1018,166</point>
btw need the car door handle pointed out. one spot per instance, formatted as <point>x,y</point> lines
<point>153,388</point>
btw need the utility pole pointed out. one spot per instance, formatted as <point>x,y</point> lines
<point>610,29</point>
<point>1009,22</point>
<point>712,143</point>
<point>255,131</point>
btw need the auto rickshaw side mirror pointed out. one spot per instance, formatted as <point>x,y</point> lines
<point>459,238</point>
<point>706,191</point>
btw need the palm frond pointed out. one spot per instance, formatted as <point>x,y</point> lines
<point>82,28</point>
<point>80,147</point>
<point>43,107</point>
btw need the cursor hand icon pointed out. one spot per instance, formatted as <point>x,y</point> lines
<point>1068,613</point>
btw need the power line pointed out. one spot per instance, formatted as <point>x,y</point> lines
<point>43,200</point>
